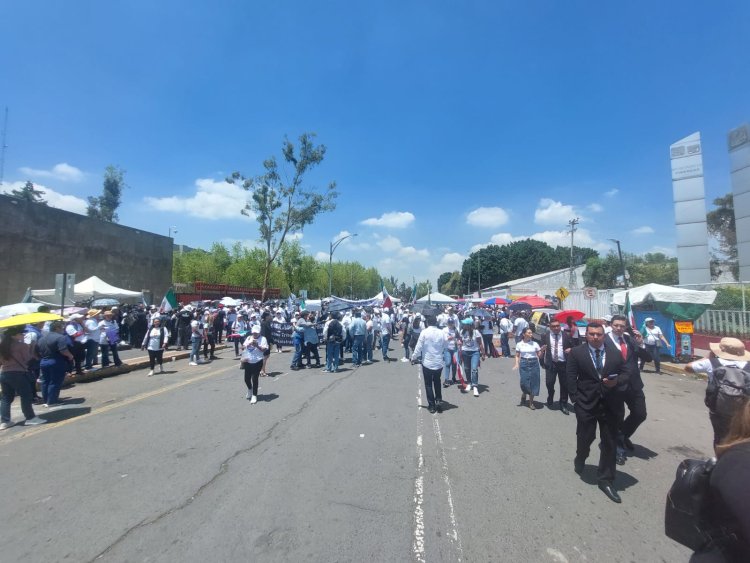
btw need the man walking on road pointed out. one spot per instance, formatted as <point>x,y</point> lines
<point>357,330</point>
<point>557,347</point>
<point>592,370</point>
<point>431,347</point>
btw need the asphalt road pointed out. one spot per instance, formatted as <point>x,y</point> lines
<point>332,467</point>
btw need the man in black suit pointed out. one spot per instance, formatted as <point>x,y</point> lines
<point>630,348</point>
<point>593,371</point>
<point>557,346</point>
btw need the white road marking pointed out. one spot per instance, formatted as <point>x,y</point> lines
<point>418,543</point>
<point>453,532</point>
<point>556,555</point>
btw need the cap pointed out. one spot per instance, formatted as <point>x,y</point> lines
<point>255,329</point>
<point>648,320</point>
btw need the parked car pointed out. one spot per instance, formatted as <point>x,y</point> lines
<point>540,319</point>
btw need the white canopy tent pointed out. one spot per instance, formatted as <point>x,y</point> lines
<point>437,298</point>
<point>393,299</point>
<point>91,288</point>
<point>664,294</point>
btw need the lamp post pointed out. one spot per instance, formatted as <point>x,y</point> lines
<point>622,263</point>
<point>172,229</point>
<point>334,246</point>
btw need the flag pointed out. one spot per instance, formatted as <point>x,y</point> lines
<point>386,298</point>
<point>629,311</point>
<point>290,303</point>
<point>169,302</point>
<point>414,294</point>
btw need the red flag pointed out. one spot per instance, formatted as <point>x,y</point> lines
<point>386,298</point>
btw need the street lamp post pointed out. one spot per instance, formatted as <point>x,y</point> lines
<point>172,229</point>
<point>622,263</point>
<point>334,246</point>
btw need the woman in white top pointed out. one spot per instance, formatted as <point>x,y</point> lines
<point>471,350</point>
<point>449,360</point>
<point>155,341</point>
<point>252,361</point>
<point>652,338</point>
<point>528,354</point>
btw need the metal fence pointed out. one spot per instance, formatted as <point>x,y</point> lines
<point>729,315</point>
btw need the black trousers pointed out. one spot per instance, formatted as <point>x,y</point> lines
<point>432,384</point>
<point>607,418</point>
<point>251,376</point>
<point>556,373</point>
<point>636,402</point>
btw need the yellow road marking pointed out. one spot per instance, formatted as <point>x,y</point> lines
<point>106,408</point>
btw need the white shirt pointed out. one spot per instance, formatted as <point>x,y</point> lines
<point>652,335</point>
<point>470,344</point>
<point>93,332</point>
<point>487,327</point>
<point>704,366</point>
<point>431,344</point>
<point>527,350</point>
<point>519,325</point>
<point>560,357</point>
<point>385,322</point>
<point>254,354</point>
<point>505,326</point>
<point>451,333</point>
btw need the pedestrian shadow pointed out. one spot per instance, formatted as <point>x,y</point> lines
<point>64,413</point>
<point>273,373</point>
<point>447,406</point>
<point>483,388</point>
<point>622,480</point>
<point>70,401</point>
<point>267,398</point>
<point>642,452</point>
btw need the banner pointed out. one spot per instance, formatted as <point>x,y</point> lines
<point>282,333</point>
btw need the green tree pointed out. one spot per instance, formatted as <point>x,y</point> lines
<point>299,268</point>
<point>286,206</point>
<point>443,279</point>
<point>29,193</point>
<point>602,272</point>
<point>105,206</point>
<point>721,225</point>
<point>652,268</point>
<point>453,285</point>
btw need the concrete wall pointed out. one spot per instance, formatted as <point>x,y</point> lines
<point>37,242</point>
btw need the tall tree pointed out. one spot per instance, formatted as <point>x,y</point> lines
<point>442,279</point>
<point>29,193</point>
<point>453,285</point>
<point>105,206</point>
<point>285,206</point>
<point>721,225</point>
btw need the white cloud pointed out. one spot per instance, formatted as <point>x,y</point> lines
<point>53,198</point>
<point>393,220</point>
<point>487,217</point>
<point>551,212</point>
<point>668,250</point>
<point>595,208</point>
<point>611,193</point>
<point>645,230</point>
<point>321,256</point>
<point>212,200</point>
<point>294,236</point>
<point>501,238</point>
<point>63,172</point>
<point>393,246</point>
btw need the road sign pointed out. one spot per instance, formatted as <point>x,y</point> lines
<point>562,294</point>
<point>590,292</point>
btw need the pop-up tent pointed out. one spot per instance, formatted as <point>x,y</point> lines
<point>91,288</point>
<point>675,302</point>
<point>436,297</point>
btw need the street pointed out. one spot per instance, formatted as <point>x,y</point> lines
<point>333,467</point>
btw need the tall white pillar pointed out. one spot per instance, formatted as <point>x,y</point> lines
<point>739,163</point>
<point>689,196</point>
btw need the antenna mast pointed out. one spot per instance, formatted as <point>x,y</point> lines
<point>572,280</point>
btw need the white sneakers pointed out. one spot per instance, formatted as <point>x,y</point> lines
<point>193,363</point>
<point>404,359</point>
<point>253,400</point>
<point>36,421</point>
<point>476,392</point>
<point>249,394</point>
<point>150,373</point>
<point>6,425</point>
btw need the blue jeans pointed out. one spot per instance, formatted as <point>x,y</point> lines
<point>53,375</point>
<point>92,347</point>
<point>448,365</point>
<point>105,354</point>
<point>369,341</point>
<point>505,344</point>
<point>358,349</point>
<point>385,340</point>
<point>333,350</point>
<point>471,365</point>
<point>297,358</point>
<point>195,348</point>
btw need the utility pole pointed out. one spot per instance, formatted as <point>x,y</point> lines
<point>3,146</point>
<point>479,274</point>
<point>622,262</point>
<point>572,223</point>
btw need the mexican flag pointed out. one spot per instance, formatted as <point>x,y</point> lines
<point>414,293</point>
<point>629,311</point>
<point>169,302</point>
<point>386,297</point>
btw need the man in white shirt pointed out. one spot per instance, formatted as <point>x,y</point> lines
<point>519,325</point>
<point>505,327</point>
<point>431,346</point>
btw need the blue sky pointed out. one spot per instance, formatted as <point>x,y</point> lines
<point>448,124</point>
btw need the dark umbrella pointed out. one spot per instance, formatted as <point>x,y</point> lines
<point>519,306</point>
<point>478,313</point>
<point>105,302</point>
<point>426,309</point>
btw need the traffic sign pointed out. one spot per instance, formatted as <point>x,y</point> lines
<point>562,294</point>
<point>590,292</point>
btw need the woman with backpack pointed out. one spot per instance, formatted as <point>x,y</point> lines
<point>156,341</point>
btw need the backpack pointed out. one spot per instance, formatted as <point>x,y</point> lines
<point>728,389</point>
<point>686,516</point>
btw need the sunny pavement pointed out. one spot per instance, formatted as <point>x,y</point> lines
<point>332,467</point>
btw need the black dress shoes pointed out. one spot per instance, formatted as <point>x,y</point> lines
<point>610,491</point>
<point>431,408</point>
<point>578,465</point>
<point>620,459</point>
<point>564,408</point>
<point>439,406</point>
<point>628,444</point>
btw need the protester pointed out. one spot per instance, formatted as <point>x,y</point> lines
<point>109,338</point>
<point>209,341</point>
<point>197,334</point>
<point>252,362</point>
<point>471,350</point>
<point>32,334</point>
<point>333,337</point>
<point>77,336</point>
<point>15,355</point>
<point>357,330</point>
<point>267,332</point>
<point>505,328</point>
<point>386,327</point>
<point>528,355</point>
<point>155,341</point>
<point>55,356</point>
<point>93,336</point>
<point>450,360</point>
<point>653,338</point>
<point>556,346</point>
<point>369,338</point>
<point>430,347</point>
<point>238,330</point>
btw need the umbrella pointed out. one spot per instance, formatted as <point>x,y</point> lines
<point>562,316</point>
<point>426,309</point>
<point>105,302</point>
<point>496,301</point>
<point>28,319</point>
<point>535,301</point>
<point>478,313</point>
<point>18,309</point>
<point>519,306</point>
